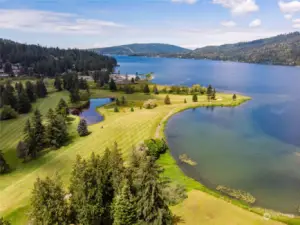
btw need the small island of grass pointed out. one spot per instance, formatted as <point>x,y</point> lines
<point>185,159</point>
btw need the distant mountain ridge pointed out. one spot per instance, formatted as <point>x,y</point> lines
<point>283,49</point>
<point>140,49</point>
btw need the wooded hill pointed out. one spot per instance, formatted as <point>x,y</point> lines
<point>35,59</point>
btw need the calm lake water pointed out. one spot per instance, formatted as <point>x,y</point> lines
<point>254,147</point>
<point>91,115</point>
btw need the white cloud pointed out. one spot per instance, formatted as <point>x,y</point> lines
<point>288,16</point>
<point>238,7</point>
<point>255,23</point>
<point>228,23</point>
<point>185,1</point>
<point>296,23</point>
<point>289,7</point>
<point>52,22</point>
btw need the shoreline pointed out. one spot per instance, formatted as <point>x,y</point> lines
<point>160,133</point>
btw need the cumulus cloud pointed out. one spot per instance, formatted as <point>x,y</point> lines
<point>185,1</point>
<point>52,22</point>
<point>289,8</point>
<point>238,7</point>
<point>228,23</point>
<point>255,23</point>
<point>288,16</point>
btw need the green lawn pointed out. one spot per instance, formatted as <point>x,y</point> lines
<point>126,128</point>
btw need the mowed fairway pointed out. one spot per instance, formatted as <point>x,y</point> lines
<point>128,129</point>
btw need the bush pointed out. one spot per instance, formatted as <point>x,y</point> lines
<point>8,113</point>
<point>195,98</point>
<point>84,95</point>
<point>185,101</point>
<point>132,109</point>
<point>150,104</point>
<point>167,100</point>
<point>155,147</point>
<point>116,109</point>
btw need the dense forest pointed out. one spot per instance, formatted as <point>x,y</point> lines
<point>35,59</point>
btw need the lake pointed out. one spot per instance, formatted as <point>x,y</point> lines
<point>254,147</point>
<point>90,114</point>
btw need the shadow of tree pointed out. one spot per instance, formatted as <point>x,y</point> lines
<point>177,219</point>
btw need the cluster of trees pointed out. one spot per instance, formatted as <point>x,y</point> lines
<point>73,84</point>
<point>103,191</point>
<point>35,59</point>
<point>38,136</point>
<point>18,99</point>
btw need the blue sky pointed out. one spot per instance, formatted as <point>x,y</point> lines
<point>188,23</point>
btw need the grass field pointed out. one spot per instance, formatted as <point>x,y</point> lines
<point>127,129</point>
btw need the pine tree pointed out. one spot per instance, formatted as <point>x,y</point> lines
<point>112,85</point>
<point>132,80</point>
<point>146,89</point>
<point>41,90</point>
<point>8,97</point>
<point>38,132</point>
<point>116,109</point>
<point>82,128</point>
<point>86,187</point>
<point>48,204</point>
<point>123,100</point>
<point>4,167</point>
<point>62,108</point>
<point>234,97</point>
<point>209,92</point>
<point>19,87</point>
<point>58,83</point>
<point>195,98</point>
<point>155,90</point>
<point>8,113</point>
<point>24,105</point>
<point>151,206</point>
<point>117,165</point>
<point>74,95</point>
<point>22,150</point>
<point>56,131</point>
<point>118,102</point>
<point>132,109</point>
<point>125,211</point>
<point>167,100</point>
<point>185,100</point>
<point>30,90</point>
<point>213,95</point>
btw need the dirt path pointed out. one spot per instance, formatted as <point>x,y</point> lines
<point>160,126</point>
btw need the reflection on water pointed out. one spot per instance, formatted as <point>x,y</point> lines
<point>91,115</point>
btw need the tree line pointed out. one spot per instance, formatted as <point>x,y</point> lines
<point>18,99</point>
<point>35,59</point>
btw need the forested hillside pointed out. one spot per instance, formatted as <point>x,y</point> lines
<point>35,59</point>
<point>282,49</point>
<point>136,49</point>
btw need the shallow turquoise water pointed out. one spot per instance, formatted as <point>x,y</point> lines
<point>254,147</point>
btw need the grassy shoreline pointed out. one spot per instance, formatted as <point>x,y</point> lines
<point>122,127</point>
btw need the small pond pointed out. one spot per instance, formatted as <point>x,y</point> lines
<point>90,114</point>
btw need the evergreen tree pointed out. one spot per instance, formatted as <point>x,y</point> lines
<point>151,205</point>
<point>4,167</point>
<point>167,100</point>
<point>116,109</point>
<point>48,204</point>
<point>82,128</point>
<point>74,95</point>
<point>8,97</point>
<point>30,90</point>
<point>132,109</point>
<point>123,100</point>
<point>155,90</point>
<point>195,98</point>
<point>86,187</point>
<point>146,89</point>
<point>234,97</point>
<point>58,84</point>
<point>57,133</point>
<point>185,100</point>
<point>19,87</point>
<point>24,105</point>
<point>22,150</point>
<point>38,132</point>
<point>4,222</point>
<point>209,92</point>
<point>62,108</point>
<point>8,113</point>
<point>125,211</point>
<point>112,85</point>
<point>132,80</point>
<point>117,165</point>
<point>213,95</point>
<point>118,102</point>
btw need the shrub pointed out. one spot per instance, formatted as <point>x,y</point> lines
<point>155,147</point>
<point>116,109</point>
<point>185,101</point>
<point>150,104</point>
<point>132,109</point>
<point>234,97</point>
<point>8,113</point>
<point>84,95</point>
<point>167,100</point>
<point>195,98</point>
